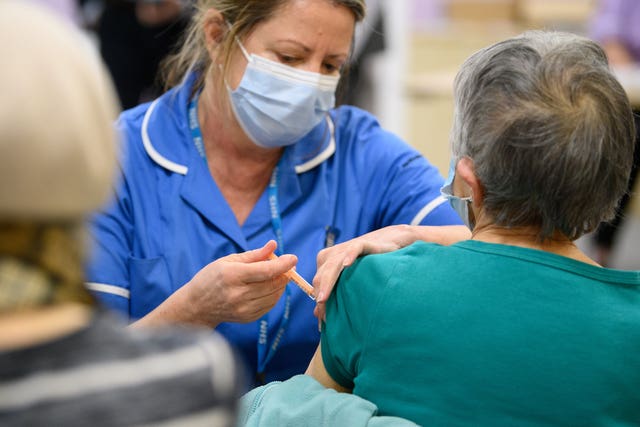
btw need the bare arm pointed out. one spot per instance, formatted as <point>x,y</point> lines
<point>318,371</point>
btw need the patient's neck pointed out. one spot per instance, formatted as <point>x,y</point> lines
<point>527,237</point>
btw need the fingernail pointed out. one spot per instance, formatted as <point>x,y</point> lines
<point>320,296</point>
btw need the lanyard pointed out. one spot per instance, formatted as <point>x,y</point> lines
<point>194,126</point>
<point>265,351</point>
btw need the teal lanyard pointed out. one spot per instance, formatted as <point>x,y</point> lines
<point>265,351</point>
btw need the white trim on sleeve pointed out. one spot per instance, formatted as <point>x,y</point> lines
<point>108,289</point>
<point>427,209</point>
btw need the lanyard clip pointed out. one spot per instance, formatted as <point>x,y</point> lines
<point>331,234</point>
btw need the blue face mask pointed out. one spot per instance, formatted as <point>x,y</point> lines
<point>276,105</point>
<point>459,204</point>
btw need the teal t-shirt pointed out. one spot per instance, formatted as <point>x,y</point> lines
<point>479,334</point>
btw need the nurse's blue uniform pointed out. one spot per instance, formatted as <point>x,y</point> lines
<point>169,219</point>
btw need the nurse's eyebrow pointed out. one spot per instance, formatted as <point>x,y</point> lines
<point>307,49</point>
<point>296,42</point>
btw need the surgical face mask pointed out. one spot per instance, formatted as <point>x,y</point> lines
<point>276,105</point>
<point>459,204</point>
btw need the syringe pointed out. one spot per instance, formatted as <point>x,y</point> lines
<point>298,280</point>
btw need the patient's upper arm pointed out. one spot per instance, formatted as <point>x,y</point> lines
<point>318,371</point>
<point>352,313</point>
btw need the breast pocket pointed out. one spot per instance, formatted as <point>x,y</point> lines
<point>150,284</point>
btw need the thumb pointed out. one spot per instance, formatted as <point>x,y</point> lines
<point>255,255</point>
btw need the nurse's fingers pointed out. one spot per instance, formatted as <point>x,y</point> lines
<point>236,272</point>
<point>260,254</point>
<point>328,272</point>
<point>247,302</point>
<point>256,265</point>
<point>266,270</point>
<point>331,262</point>
<point>256,307</point>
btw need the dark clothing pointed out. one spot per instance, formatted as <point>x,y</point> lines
<point>133,52</point>
<point>356,85</point>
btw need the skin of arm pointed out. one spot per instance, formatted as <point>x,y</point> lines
<point>318,371</point>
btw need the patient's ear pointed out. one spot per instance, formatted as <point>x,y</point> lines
<point>471,185</point>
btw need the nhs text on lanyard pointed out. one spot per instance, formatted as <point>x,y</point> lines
<point>265,351</point>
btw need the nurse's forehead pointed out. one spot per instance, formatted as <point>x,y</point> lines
<point>309,22</point>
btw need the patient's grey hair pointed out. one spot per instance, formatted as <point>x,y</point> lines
<point>549,129</point>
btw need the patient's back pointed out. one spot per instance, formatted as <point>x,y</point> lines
<point>485,334</point>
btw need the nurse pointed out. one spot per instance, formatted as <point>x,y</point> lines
<point>245,156</point>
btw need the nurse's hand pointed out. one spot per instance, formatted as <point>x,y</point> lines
<point>331,261</point>
<point>235,288</point>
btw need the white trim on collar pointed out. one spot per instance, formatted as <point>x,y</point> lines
<point>155,156</point>
<point>324,155</point>
<point>182,170</point>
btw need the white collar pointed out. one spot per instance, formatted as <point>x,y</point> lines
<point>182,169</point>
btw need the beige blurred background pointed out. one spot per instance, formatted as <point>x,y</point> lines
<point>409,83</point>
<point>438,47</point>
<point>427,41</point>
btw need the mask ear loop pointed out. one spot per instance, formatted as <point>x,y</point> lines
<point>244,51</point>
<point>242,48</point>
<point>447,188</point>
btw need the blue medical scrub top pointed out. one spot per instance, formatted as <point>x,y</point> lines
<point>168,218</point>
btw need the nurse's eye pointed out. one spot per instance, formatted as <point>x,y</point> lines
<point>330,68</point>
<point>287,59</point>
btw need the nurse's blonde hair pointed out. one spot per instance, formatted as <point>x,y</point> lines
<point>242,16</point>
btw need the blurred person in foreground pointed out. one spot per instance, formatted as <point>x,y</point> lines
<point>615,26</point>
<point>245,156</point>
<point>515,326</point>
<point>64,361</point>
<point>67,9</point>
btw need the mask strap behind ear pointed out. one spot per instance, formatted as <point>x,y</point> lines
<point>244,51</point>
<point>237,39</point>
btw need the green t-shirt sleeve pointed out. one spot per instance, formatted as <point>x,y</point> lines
<point>350,314</point>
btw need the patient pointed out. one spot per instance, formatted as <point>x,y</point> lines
<point>515,326</point>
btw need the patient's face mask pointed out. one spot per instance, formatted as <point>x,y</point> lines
<point>459,204</point>
<point>277,105</point>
